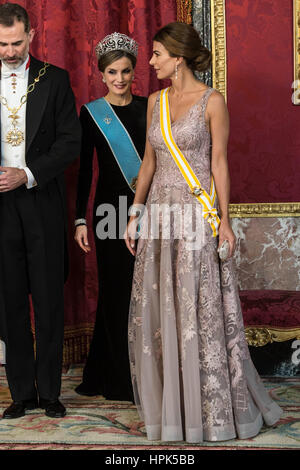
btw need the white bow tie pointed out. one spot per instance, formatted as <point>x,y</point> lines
<point>9,73</point>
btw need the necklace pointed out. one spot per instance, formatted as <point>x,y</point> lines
<point>15,136</point>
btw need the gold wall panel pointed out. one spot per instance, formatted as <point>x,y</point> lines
<point>274,209</point>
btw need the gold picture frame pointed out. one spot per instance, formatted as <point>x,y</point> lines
<point>296,83</point>
<point>218,44</point>
<point>219,78</point>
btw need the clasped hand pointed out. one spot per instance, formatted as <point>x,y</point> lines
<point>11,178</point>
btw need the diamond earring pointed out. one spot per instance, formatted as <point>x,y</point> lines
<point>176,72</point>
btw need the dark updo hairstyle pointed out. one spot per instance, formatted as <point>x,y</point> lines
<point>106,59</point>
<point>182,40</point>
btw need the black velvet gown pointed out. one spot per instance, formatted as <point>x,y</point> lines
<point>107,369</point>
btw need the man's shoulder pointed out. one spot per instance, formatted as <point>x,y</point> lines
<point>51,69</point>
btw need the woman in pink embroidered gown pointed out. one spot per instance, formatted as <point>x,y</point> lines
<point>192,374</point>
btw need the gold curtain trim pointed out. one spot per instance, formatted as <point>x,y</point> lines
<point>297,51</point>
<point>184,11</point>
<point>218,42</point>
<point>262,335</point>
<point>82,328</point>
<point>272,209</point>
<point>77,342</point>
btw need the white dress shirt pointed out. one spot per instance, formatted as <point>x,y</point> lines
<point>14,156</point>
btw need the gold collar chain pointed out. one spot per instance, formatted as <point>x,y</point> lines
<point>15,136</point>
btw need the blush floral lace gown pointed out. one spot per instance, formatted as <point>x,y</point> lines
<point>192,374</point>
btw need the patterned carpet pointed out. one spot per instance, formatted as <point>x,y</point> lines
<point>94,423</point>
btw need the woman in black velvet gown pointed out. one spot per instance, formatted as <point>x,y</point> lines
<point>107,369</point>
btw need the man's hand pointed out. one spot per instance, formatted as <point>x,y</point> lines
<point>11,178</point>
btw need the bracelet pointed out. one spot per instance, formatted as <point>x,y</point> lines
<point>79,222</point>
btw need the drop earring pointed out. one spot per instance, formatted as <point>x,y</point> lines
<point>103,80</point>
<point>176,72</point>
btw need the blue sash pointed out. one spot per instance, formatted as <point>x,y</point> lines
<point>118,139</point>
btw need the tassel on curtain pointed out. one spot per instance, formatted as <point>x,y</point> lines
<point>184,11</point>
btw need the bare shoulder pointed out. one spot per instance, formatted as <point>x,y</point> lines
<point>216,102</point>
<point>216,105</point>
<point>216,99</point>
<point>151,102</point>
<point>152,97</point>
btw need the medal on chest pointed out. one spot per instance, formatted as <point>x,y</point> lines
<point>15,136</point>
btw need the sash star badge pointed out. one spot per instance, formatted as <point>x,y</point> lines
<point>107,120</point>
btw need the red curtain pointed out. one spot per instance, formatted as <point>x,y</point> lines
<point>264,148</point>
<point>67,32</point>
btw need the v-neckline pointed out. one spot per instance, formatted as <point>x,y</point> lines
<point>188,110</point>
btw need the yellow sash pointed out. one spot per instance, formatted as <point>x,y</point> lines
<point>206,200</point>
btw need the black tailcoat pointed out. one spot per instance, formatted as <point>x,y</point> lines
<point>32,238</point>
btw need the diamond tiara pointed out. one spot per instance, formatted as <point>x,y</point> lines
<point>116,42</point>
